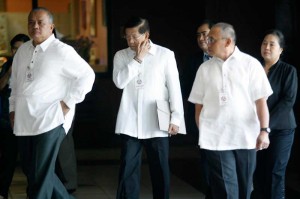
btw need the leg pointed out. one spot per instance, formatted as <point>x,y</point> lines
<point>8,158</point>
<point>158,155</point>
<point>42,180</point>
<point>261,175</point>
<point>129,174</point>
<point>245,166</point>
<point>66,163</point>
<point>223,178</point>
<point>280,150</point>
<point>25,150</point>
<point>205,174</point>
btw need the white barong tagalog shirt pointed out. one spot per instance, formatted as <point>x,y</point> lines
<point>233,125</point>
<point>137,116</point>
<point>42,76</point>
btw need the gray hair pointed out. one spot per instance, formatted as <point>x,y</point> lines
<point>50,15</point>
<point>227,30</point>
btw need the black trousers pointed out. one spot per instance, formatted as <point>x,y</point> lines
<point>66,163</point>
<point>269,176</point>
<point>38,156</point>
<point>8,159</point>
<point>231,173</point>
<point>157,150</point>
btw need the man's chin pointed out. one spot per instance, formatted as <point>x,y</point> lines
<point>203,46</point>
<point>132,47</point>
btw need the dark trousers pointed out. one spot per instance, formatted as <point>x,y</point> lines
<point>66,164</point>
<point>8,158</point>
<point>38,156</point>
<point>157,150</point>
<point>204,174</point>
<point>269,176</point>
<point>231,173</point>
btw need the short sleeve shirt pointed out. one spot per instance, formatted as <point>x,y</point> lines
<point>232,124</point>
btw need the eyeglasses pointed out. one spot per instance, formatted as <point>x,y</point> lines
<point>134,37</point>
<point>210,40</point>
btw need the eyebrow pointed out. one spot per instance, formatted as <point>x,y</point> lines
<point>199,33</point>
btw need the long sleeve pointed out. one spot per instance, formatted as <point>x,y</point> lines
<point>123,74</point>
<point>173,84</point>
<point>284,81</point>
<point>82,76</point>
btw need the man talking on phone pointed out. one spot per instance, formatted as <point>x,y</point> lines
<point>146,72</point>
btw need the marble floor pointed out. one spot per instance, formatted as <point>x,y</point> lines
<point>97,176</point>
<point>98,173</point>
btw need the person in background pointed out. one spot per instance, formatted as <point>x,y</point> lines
<point>269,178</point>
<point>190,72</point>
<point>146,72</point>
<point>8,141</point>
<point>196,59</point>
<point>230,90</point>
<point>48,79</point>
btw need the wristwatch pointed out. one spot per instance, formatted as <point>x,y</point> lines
<point>268,130</point>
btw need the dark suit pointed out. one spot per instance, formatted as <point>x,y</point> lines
<point>190,72</point>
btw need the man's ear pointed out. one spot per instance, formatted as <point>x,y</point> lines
<point>52,27</point>
<point>228,42</point>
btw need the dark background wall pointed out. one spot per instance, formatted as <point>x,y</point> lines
<point>173,25</point>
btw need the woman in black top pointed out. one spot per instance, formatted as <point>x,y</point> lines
<point>269,179</point>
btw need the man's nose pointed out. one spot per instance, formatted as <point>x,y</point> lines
<point>35,24</point>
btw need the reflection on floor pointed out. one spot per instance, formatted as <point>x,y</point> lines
<point>98,173</point>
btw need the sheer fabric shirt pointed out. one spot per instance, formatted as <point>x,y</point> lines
<point>233,125</point>
<point>57,73</point>
<point>137,116</point>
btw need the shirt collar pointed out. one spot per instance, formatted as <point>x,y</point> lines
<point>236,53</point>
<point>206,56</point>
<point>44,45</point>
<point>153,48</point>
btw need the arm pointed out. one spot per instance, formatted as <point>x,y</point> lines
<point>197,95</point>
<point>174,90</point>
<point>12,119</point>
<point>82,77</point>
<point>124,71</point>
<point>4,79</point>
<point>263,116</point>
<point>198,109</point>
<point>64,107</point>
<point>288,94</point>
<point>127,68</point>
<point>12,95</point>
